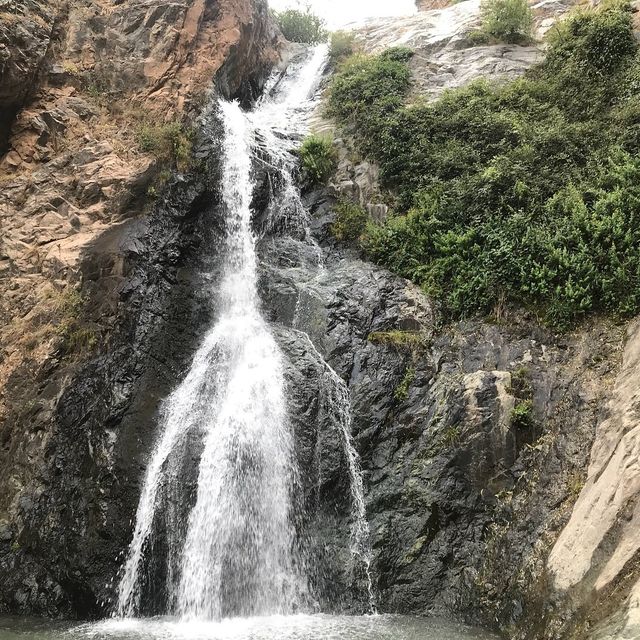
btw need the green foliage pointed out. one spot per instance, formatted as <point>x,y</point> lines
<point>507,20</point>
<point>522,415</point>
<point>318,158</point>
<point>575,484</point>
<point>397,338</point>
<point>521,386</point>
<point>342,45</point>
<point>450,438</point>
<point>351,222</point>
<point>301,26</point>
<point>524,193</point>
<point>171,143</point>
<point>593,42</point>
<point>367,91</point>
<point>402,390</point>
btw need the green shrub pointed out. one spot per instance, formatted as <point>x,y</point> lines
<point>342,45</point>
<point>301,26</point>
<point>351,222</point>
<point>594,42</point>
<point>402,390</point>
<point>521,386</point>
<point>397,338</point>
<point>171,143</point>
<point>451,437</point>
<point>522,415</point>
<point>318,158</point>
<point>507,20</point>
<point>522,193</point>
<point>367,90</point>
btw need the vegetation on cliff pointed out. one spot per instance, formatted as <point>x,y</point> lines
<point>301,26</point>
<point>508,21</point>
<point>342,44</point>
<point>524,193</point>
<point>318,158</point>
<point>171,143</point>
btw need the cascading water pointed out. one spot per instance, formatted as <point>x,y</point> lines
<point>236,556</point>
<point>214,544</point>
<point>338,410</point>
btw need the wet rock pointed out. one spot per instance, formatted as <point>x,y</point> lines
<point>462,497</point>
<point>90,260</point>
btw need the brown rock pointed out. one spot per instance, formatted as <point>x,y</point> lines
<point>26,28</point>
<point>13,159</point>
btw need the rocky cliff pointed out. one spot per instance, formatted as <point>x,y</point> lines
<point>106,198</point>
<point>499,458</point>
<point>472,506</point>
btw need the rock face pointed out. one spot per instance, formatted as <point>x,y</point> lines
<point>428,5</point>
<point>474,439</point>
<point>595,557</point>
<point>468,502</point>
<point>442,60</point>
<point>82,202</point>
<point>27,30</point>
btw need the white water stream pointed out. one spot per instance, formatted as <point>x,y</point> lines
<point>236,555</point>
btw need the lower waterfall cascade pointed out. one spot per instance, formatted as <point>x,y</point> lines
<point>237,554</point>
<point>323,340</point>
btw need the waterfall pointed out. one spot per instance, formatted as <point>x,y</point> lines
<point>338,407</point>
<point>237,553</point>
<point>234,555</point>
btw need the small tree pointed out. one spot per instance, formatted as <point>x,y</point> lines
<point>301,26</point>
<point>510,21</point>
<point>351,222</point>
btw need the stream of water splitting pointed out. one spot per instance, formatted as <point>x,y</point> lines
<point>227,545</point>
<point>238,556</point>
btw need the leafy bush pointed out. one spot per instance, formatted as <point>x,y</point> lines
<point>301,26</point>
<point>351,221</point>
<point>342,45</point>
<point>507,20</point>
<point>318,158</point>
<point>597,43</point>
<point>366,83</point>
<point>171,143</point>
<point>524,193</point>
<point>522,415</point>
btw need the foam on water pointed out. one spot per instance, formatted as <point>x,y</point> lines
<point>299,627</point>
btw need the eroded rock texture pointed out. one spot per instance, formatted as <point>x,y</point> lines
<point>474,440</point>
<point>101,249</point>
<point>468,501</point>
<point>595,559</point>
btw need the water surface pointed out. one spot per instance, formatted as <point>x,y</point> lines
<point>300,627</point>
